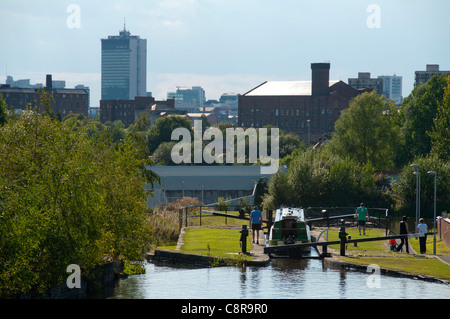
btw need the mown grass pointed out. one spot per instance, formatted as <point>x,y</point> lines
<point>217,242</point>
<point>378,252</point>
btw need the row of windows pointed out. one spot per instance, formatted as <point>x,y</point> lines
<point>290,125</point>
<point>282,112</point>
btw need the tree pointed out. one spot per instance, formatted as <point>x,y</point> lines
<point>67,199</point>
<point>290,142</point>
<point>320,178</point>
<point>440,134</point>
<point>404,188</point>
<point>3,111</point>
<point>416,118</point>
<point>163,154</point>
<point>366,131</point>
<point>164,126</point>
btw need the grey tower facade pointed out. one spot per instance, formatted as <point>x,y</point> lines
<point>124,67</point>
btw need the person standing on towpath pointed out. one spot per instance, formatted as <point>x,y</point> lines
<point>403,231</point>
<point>362,214</point>
<point>256,223</point>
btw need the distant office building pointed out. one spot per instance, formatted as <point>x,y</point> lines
<point>128,111</point>
<point>23,84</point>
<point>230,101</point>
<point>306,108</point>
<point>190,99</point>
<point>124,67</point>
<point>365,82</point>
<point>392,87</point>
<point>65,101</point>
<point>423,76</point>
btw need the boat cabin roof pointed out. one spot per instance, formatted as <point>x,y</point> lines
<point>289,213</point>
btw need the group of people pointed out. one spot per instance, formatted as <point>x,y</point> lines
<point>422,228</point>
<point>362,215</point>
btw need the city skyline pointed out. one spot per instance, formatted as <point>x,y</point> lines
<point>224,45</point>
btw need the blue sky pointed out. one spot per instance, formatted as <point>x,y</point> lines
<point>225,45</point>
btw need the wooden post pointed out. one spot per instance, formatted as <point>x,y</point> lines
<point>226,213</point>
<point>325,250</point>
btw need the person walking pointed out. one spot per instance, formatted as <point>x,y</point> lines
<point>422,228</point>
<point>256,223</point>
<point>362,214</point>
<point>403,231</point>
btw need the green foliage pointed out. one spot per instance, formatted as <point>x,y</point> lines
<point>289,142</point>
<point>404,189</point>
<point>162,131</point>
<point>3,111</point>
<point>440,134</point>
<point>222,204</point>
<point>366,133</point>
<point>162,155</point>
<point>416,118</point>
<point>320,178</point>
<point>68,195</point>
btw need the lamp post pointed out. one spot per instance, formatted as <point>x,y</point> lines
<point>417,192</point>
<point>434,214</point>
<point>309,132</point>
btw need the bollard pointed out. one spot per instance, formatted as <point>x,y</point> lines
<point>343,238</point>
<point>244,235</point>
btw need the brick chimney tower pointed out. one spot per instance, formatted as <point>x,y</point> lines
<point>49,83</point>
<point>320,78</point>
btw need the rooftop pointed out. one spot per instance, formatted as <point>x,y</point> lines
<point>286,88</point>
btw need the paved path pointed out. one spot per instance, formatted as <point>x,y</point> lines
<point>258,249</point>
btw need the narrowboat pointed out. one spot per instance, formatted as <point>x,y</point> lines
<point>289,228</point>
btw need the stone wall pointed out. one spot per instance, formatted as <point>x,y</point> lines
<point>101,285</point>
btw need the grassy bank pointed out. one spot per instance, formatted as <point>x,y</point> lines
<point>378,252</point>
<point>212,241</point>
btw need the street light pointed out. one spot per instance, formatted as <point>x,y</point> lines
<point>434,215</point>
<point>417,192</point>
<point>309,132</point>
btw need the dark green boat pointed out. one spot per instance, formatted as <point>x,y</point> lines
<point>289,228</point>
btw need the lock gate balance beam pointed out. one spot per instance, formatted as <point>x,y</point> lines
<point>324,244</point>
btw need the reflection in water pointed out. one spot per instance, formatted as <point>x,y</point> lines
<point>282,279</point>
<point>342,281</point>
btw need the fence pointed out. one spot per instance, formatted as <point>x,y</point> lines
<point>332,216</point>
<point>213,215</point>
<point>216,215</point>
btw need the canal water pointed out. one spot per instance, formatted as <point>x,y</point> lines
<point>282,279</point>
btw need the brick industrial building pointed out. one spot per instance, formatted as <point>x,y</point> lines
<point>306,108</point>
<point>65,101</point>
<point>128,111</point>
